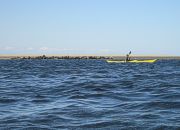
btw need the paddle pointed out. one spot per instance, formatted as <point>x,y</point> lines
<point>129,56</point>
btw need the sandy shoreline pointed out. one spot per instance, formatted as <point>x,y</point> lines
<point>83,57</point>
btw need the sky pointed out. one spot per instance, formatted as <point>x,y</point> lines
<point>105,27</point>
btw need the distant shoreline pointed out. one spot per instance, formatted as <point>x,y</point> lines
<point>83,57</point>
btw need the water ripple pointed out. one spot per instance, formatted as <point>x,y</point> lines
<point>89,94</point>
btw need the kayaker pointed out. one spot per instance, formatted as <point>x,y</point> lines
<point>128,56</point>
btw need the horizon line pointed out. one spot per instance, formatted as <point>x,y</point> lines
<point>121,55</point>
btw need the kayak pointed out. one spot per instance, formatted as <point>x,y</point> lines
<point>132,61</point>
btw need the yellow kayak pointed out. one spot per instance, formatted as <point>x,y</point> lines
<point>132,61</point>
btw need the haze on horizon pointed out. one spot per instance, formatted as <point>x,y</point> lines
<point>146,27</point>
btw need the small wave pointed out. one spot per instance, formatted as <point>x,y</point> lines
<point>77,97</point>
<point>40,101</point>
<point>161,105</point>
<point>7,100</point>
<point>165,127</point>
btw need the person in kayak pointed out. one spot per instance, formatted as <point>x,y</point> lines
<point>128,57</point>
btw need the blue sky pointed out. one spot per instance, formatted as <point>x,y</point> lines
<point>146,27</point>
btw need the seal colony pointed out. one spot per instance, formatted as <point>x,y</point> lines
<point>85,57</point>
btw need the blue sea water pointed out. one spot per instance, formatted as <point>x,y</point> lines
<point>89,94</point>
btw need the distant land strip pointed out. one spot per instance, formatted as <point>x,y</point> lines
<point>83,57</point>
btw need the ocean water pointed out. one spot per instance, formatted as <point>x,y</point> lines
<point>89,94</point>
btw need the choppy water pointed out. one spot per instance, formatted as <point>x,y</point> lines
<point>89,94</point>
